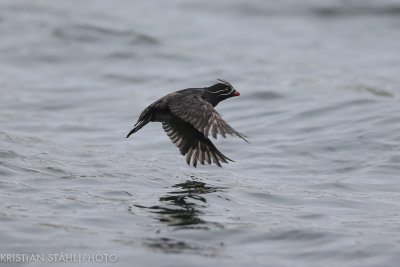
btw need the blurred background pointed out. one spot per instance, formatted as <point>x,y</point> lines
<point>319,83</point>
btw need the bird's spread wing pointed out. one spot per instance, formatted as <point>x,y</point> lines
<point>193,143</point>
<point>202,115</point>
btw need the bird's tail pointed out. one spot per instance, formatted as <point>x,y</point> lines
<point>142,121</point>
<point>137,127</point>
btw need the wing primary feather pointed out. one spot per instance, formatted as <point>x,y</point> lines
<point>215,160</point>
<point>189,156</point>
<point>207,155</point>
<point>214,131</point>
<point>202,152</point>
<point>194,157</point>
<point>193,144</point>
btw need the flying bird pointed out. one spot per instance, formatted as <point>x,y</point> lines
<point>188,117</point>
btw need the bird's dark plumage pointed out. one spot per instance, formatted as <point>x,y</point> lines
<point>188,117</point>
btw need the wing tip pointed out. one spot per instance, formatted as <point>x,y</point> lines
<point>192,161</point>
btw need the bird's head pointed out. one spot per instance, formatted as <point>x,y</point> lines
<point>220,91</point>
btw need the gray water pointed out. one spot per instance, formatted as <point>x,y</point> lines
<point>318,185</point>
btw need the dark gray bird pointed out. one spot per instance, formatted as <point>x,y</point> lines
<point>188,116</point>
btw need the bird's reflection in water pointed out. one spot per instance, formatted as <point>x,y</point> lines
<point>184,205</point>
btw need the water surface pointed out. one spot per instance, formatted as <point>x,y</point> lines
<point>317,185</point>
